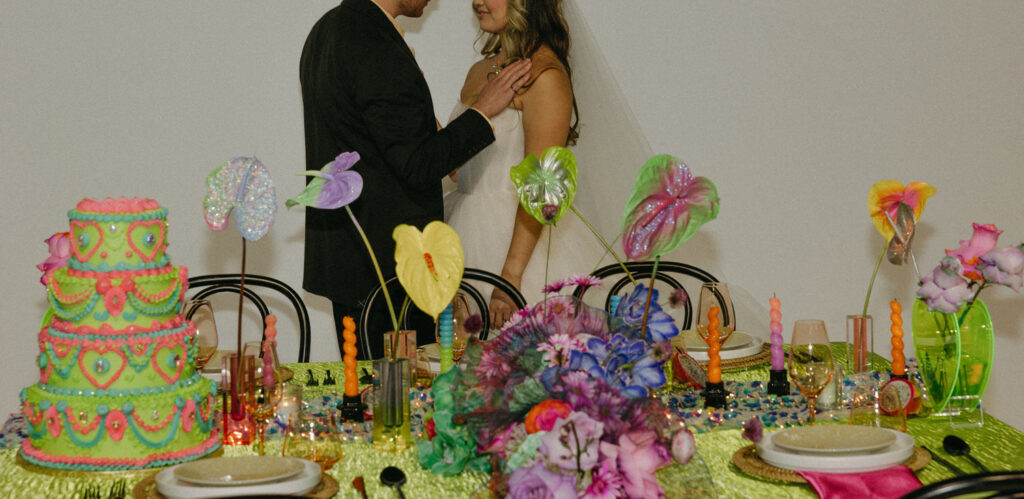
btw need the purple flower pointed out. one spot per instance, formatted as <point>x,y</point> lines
<point>753,429</point>
<point>341,186</point>
<point>585,281</point>
<point>555,286</point>
<point>1003,266</point>
<point>538,482</point>
<point>677,298</point>
<point>945,289</point>
<point>473,324</point>
<point>684,445</point>
<point>573,443</point>
<point>548,212</point>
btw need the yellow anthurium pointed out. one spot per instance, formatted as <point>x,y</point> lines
<point>885,197</point>
<point>429,264</point>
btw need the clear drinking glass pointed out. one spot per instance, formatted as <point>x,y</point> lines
<point>810,359</point>
<point>716,294</point>
<point>313,438</point>
<point>200,312</point>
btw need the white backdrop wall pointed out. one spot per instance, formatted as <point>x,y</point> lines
<point>793,108</point>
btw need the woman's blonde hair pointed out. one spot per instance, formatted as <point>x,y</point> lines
<point>531,24</point>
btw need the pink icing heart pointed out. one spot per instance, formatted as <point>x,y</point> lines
<point>110,372</point>
<point>114,299</point>
<point>77,227</point>
<point>147,257</point>
<point>158,366</point>
<point>116,424</point>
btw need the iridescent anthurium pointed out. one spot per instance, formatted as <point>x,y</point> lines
<point>667,206</point>
<point>244,185</point>
<point>334,186</point>
<point>546,186</point>
<point>429,265</point>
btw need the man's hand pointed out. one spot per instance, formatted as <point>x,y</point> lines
<point>499,91</point>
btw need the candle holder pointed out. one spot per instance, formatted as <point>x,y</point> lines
<point>715,395</point>
<point>352,408</point>
<point>778,382</point>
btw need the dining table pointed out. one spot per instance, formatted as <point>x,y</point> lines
<point>710,473</point>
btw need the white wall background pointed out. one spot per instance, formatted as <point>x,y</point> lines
<point>793,108</point>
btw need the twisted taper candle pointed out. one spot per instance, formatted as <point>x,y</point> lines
<point>349,347</point>
<point>714,347</point>
<point>776,327</point>
<point>899,367</point>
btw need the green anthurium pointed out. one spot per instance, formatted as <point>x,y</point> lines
<point>546,186</point>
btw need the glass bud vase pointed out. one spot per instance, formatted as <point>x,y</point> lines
<point>860,343</point>
<point>391,382</point>
<point>236,375</point>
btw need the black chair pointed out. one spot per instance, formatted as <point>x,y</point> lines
<point>204,286</point>
<point>1003,483</point>
<point>670,273</point>
<point>374,320</point>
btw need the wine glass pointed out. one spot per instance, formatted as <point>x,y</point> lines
<point>715,294</point>
<point>313,438</point>
<point>261,399</point>
<point>810,359</point>
<point>200,312</point>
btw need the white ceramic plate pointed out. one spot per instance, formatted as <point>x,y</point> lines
<point>694,343</point>
<point>242,470</point>
<point>833,439</point>
<point>895,453</point>
<point>740,345</point>
<point>173,488</point>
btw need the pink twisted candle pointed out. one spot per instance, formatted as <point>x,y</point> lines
<point>270,335</point>
<point>776,328</point>
<point>899,367</point>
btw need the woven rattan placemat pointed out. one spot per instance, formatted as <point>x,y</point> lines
<point>750,462</point>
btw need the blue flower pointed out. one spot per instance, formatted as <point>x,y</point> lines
<point>630,311</point>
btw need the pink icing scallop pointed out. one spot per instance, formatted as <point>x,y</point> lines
<point>119,205</point>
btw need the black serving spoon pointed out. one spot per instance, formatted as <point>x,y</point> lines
<point>956,446</point>
<point>393,477</point>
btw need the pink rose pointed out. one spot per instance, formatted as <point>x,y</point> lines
<point>982,241</point>
<point>639,455</point>
<point>59,245</point>
<point>544,415</point>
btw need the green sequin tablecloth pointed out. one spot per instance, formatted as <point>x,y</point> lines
<point>996,444</point>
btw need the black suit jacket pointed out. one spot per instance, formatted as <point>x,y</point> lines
<point>363,91</point>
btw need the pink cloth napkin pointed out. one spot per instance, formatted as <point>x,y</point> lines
<point>887,483</point>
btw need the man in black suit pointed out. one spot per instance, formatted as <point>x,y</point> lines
<point>363,91</point>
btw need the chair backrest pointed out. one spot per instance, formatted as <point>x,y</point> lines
<point>204,286</point>
<point>1005,483</point>
<point>471,278</point>
<point>669,272</point>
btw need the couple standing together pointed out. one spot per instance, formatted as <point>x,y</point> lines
<point>363,91</point>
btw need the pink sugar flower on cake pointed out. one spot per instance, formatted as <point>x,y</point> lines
<point>59,245</point>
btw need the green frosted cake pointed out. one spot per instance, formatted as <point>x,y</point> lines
<point>118,387</point>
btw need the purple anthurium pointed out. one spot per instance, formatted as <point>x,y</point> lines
<point>334,186</point>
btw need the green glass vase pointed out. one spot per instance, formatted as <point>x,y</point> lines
<point>954,352</point>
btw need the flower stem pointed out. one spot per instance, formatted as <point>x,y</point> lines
<point>650,293</point>
<point>607,246</point>
<point>873,274</point>
<point>970,303</point>
<point>380,277</point>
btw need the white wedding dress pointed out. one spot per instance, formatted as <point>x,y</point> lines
<point>482,210</point>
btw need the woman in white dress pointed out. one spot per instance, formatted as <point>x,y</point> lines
<point>497,234</point>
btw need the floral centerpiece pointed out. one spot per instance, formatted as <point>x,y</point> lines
<point>560,405</point>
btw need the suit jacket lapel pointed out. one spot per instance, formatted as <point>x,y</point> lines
<point>376,17</point>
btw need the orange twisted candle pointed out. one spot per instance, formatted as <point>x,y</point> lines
<point>714,347</point>
<point>899,367</point>
<point>349,347</point>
